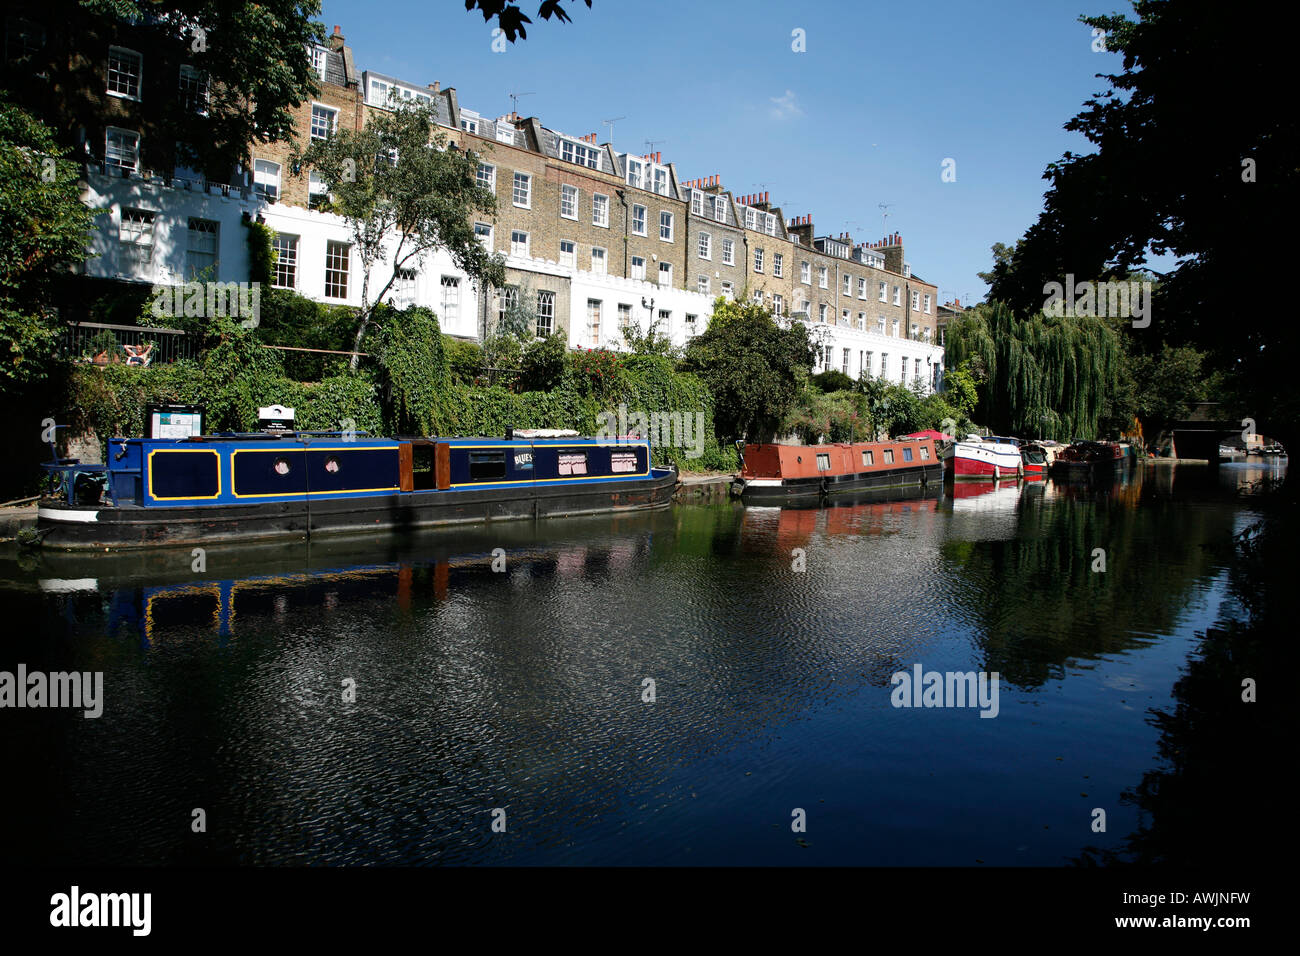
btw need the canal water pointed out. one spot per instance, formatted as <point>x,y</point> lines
<point>705,685</point>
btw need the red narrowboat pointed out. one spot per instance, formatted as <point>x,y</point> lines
<point>777,473</point>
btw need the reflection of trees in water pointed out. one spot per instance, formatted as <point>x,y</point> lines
<point>1035,602</point>
<point>1215,800</point>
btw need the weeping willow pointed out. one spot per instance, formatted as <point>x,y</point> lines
<point>1044,377</point>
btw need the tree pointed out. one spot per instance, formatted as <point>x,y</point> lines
<point>1002,258</point>
<point>403,196</point>
<point>650,342</point>
<point>45,228</point>
<point>1217,207</point>
<point>752,366</point>
<point>511,19</point>
<point>1045,376</point>
<point>250,54</point>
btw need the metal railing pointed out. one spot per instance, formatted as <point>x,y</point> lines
<point>134,344</point>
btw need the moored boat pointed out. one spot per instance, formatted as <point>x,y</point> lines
<point>978,458</point>
<point>775,473</point>
<point>1088,459</point>
<point>243,487</point>
<point>1033,458</point>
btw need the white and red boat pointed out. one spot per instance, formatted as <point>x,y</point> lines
<point>977,458</point>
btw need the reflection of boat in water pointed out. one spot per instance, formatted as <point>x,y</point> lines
<point>862,513</point>
<point>780,473</point>
<point>197,490</point>
<point>982,459</point>
<point>994,496</point>
<point>160,589</point>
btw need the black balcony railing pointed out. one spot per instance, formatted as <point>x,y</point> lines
<point>104,344</point>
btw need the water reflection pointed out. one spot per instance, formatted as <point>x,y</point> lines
<point>524,688</point>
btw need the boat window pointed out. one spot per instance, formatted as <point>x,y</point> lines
<point>868,458</point>
<point>282,466</point>
<point>907,454</point>
<point>332,465</point>
<point>573,463</point>
<point>889,456</point>
<point>823,462</point>
<point>486,465</point>
<point>925,452</point>
<point>622,462</point>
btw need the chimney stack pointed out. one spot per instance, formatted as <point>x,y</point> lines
<point>335,42</point>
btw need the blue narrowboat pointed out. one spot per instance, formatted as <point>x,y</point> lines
<point>237,487</point>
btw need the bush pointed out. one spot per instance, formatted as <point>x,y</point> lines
<point>833,380</point>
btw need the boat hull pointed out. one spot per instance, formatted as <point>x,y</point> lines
<point>982,461</point>
<point>779,490</point>
<point>72,528</point>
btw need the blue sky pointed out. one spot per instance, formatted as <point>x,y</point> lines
<point>867,115</point>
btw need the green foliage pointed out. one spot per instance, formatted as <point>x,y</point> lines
<point>503,355</point>
<point>752,366</point>
<point>960,389</point>
<point>464,359</point>
<point>650,342</point>
<point>45,229</point>
<point>1104,212</point>
<point>252,52</point>
<point>402,199</point>
<point>1046,377</point>
<point>296,321</point>
<point>543,363</point>
<point>413,369</point>
<point>261,252</point>
<point>833,380</point>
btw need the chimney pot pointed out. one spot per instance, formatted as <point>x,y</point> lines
<point>338,30</point>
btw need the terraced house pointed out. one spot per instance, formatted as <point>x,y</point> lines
<point>595,240</point>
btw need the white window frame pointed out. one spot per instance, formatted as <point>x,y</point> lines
<point>286,261</point>
<point>703,284</point>
<point>665,226</point>
<point>331,255</point>
<point>823,275</point>
<point>515,244</point>
<point>884,291</point>
<point>267,177</point>
<point>778,265</point>
<point>805,273</point>
<point>485,234</point>
<point>545,313</point>
<point>601,255</point>
<point>333,116</point>
<point>697,202</point>
<point>758,258</point>
<point>135,149</point>
<point>123,54</point>
<point>638,267</point>
<point>569,200</point>
<point>862,288</point>
<point>704,246</point>
<point>728,252</point>
<point>639,216</point>
<point>848,285</point>
<point>600,210</point>
<point>569,257</point>
<point>522,184</point>
<point>665,274</point>
<point>488,179</point>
